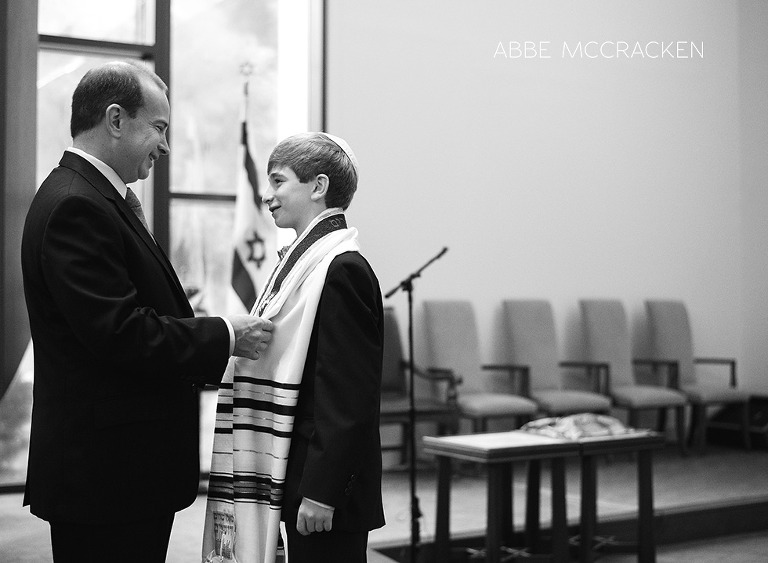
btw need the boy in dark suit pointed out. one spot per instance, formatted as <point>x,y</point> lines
<point>325,302</point>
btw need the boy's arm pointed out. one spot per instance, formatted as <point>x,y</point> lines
<point>347,381</point>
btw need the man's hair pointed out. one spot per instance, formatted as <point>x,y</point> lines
<point>112,83</point>
<point>310,154</point>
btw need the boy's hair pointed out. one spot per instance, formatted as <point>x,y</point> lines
<point>118,82</point>
<point>310,154</point>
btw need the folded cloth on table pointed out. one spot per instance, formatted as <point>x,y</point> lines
<point>576,426</point>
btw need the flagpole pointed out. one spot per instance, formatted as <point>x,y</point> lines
<point>255,234</point>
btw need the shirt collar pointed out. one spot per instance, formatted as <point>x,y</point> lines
<point>105,169</point>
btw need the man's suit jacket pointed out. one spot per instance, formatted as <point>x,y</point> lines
<point>335,455</point>
<point>118,357</point>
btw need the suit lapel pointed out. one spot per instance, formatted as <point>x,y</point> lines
<point>105,188</point>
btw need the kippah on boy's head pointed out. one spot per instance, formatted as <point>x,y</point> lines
<point>310,154</point>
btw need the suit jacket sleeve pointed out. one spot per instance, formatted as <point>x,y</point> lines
<point>117,305</point>
<point>347,382</point>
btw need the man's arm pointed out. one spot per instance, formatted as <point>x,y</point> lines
<point>85,263</point>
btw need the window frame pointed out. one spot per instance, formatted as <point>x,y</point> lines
<point>160,55</point>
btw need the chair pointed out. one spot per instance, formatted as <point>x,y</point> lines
<point>670,335</point>
<point>532,346</point>
<point>395,403</point>
<point>453,346</point>
<point>606,334</point>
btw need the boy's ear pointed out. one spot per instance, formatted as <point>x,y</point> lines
<point>320,187</point>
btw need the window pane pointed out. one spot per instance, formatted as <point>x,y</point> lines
<point>57,77</point>
<point>268,37</point>
<point>201,253</point>
<point>124,21</point>
<point>15,420</point>
<point>207,90</point>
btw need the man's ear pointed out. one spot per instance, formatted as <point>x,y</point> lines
<point>320,187</point>
<point>115,119</point>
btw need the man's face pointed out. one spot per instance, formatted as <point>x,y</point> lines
<point>289,200</point>
<point>145,139</point>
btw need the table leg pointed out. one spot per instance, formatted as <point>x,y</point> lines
<point>646,547</point>
<point>443,510</point>
<point>559,516</point>
<point>588,507</point>
<point>532,505</point>
<point>506,495</point>
<point>497,474</point>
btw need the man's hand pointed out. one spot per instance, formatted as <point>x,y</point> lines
<point>313,518</point>
<point>252,334</point>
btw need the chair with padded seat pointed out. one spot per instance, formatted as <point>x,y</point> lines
<point>395,401</point>
<point>671,339</point>
<point>487,391</point>
<point>532,346</point>
<point>607,340</point>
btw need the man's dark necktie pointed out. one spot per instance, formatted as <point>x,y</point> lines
<point>135,205</point>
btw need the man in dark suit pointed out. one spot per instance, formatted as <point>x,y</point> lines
<point>119,356</point>
<point>333,479</point>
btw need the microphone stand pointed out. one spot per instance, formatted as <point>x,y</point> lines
<point>407,286</point>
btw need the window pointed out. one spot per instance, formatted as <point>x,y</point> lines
<point>58,73</point>
<point>266,44</point>
<point>214,42</point>
<point>73,38</point>
<point>129,21</point>
<point>218,48</point>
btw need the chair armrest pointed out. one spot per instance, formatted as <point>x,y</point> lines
<point>436,374</point>
<point>442,374</point>
<point>591,369</point>
<point>673,369</point>
<point>722,361</point>
<point>515,370</point>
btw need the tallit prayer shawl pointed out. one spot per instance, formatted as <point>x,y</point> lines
<point>257,401</point>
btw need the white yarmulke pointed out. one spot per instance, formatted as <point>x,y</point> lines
<point>343,145</point>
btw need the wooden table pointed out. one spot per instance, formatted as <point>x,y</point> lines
<point>641,444</point>
<point>498,451</point>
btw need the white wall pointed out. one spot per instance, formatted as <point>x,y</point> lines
<point>562,178</point>
<point>753,105</point>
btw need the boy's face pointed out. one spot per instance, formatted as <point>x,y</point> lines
<point>290,200</point>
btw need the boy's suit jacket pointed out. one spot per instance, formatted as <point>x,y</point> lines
<point>118,357</point>
<point>335,455</point>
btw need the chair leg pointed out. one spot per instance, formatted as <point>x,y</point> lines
<point>745,416</point>
<point>681,433</point>
<point>701,427</point>
<point>694,427</point>
<point>661,421</point>
<point>634,418</point>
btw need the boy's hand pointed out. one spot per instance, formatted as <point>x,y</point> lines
<point>313,518</point>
